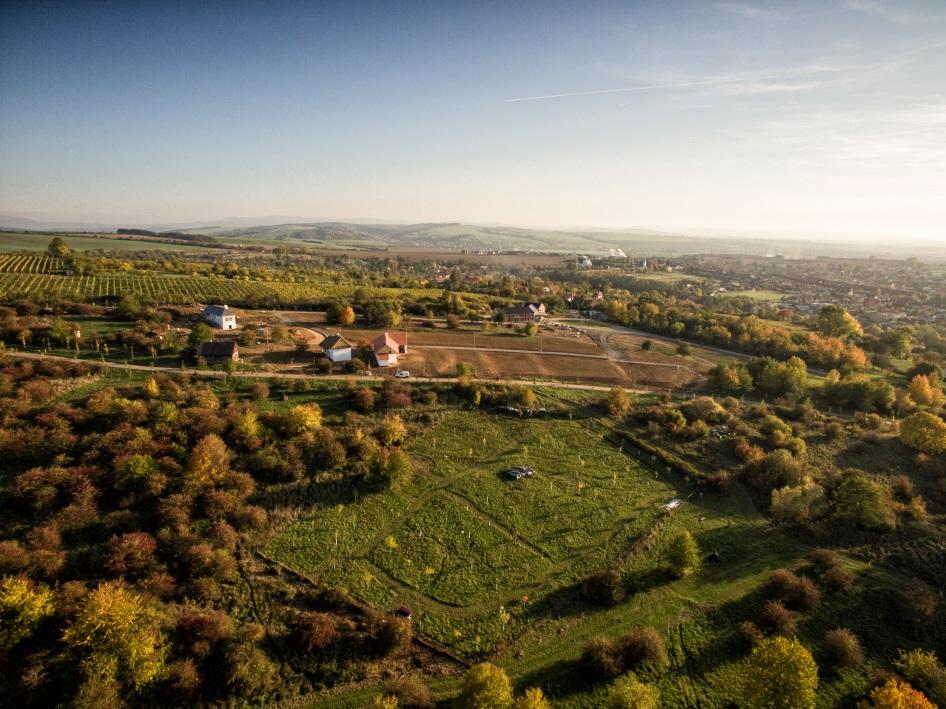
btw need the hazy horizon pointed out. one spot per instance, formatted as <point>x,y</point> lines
<point>814,119</point>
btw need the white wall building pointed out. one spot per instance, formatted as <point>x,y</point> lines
<point>220,316</point>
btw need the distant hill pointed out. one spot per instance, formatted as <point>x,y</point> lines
<point>456,236</point>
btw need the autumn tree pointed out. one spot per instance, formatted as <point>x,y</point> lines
<point>392,430</point>
<point>533,698</point>
<point>628,692</point>
<point>843,648</point>
<point>23,606</point>
<point>58,248</point>
<point>922,392</point>
<point>208,462</point>
<point>894,694</point>
<point>780,674</point>
<point>836,321</point>
<point>116,630</point>
<point>302,418</point>
<point>485,685</point>
<point>683,555</point>
<point>925,432</point>
<point>618,402</point>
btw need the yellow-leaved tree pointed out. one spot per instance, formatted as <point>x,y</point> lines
<point>22,608</point>
<point>894,694</point>
<point>120,636</point>
<point>302,418</point>
<point>485,685</point>
<point>780,674</point>
<point>925,432</point>
<point>208,463</point>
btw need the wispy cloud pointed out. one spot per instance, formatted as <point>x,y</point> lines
<point>754,12</point>
<point>624,89</point>
<point>898,14</point>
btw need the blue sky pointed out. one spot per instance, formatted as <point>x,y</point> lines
<point>826,116</point>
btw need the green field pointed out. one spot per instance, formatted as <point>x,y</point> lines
<point>35,241</point>
<point>762,295</point>
<point>463,547</point>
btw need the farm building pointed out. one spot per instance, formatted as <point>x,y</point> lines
<point>336,348</point>
<point>220,317</point>
<point>219,352</point>
<point>530,312</point>
<point>387,346</point>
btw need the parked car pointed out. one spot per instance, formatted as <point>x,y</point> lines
<point>517,472</point>
<point>403,374</point>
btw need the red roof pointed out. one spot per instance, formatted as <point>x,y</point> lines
<point>385,340</point>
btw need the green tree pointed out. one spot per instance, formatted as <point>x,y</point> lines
<point>628,692</point>
<point>529,329</point>
<point>115,629</point>
<point>925,432</point>
<point>683,555</point>
<point>279,333</point>
<point>485,686</point>
<point>58,248</point>
<point>200,334</point>
<point>836,321</point>
<point>780,674</point>
<point>684,349</point>
<point>863,502</point>
<point>22,608</point>
<point>464,369</point>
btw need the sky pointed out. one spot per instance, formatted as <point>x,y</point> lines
<point>826,116</point>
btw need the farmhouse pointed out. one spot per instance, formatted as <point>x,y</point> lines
<point>530,312</point>
<point>220,317</point>
<point>219,352</point>
<point>387,346</point>
<point>336,348</point>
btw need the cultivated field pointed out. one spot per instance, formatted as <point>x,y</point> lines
<point>177,289</point>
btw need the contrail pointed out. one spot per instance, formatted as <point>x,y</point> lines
<point>625,89</point>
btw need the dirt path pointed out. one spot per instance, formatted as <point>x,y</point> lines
<point>216,374</point>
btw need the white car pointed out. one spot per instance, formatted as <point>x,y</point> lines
<point>403,374</point>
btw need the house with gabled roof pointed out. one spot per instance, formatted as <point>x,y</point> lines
<point>219,316</point>
<point>336,348</point>
<point>530,312</point>
<point>221,351</point>
<point>387,346</point>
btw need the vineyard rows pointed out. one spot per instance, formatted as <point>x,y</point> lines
<point>167,288</point>
<point>30,263</point>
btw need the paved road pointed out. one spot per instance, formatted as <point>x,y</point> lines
<point>328,377</point>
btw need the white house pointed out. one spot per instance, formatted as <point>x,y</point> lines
<point>220,316</point>
<point>336,348</point>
